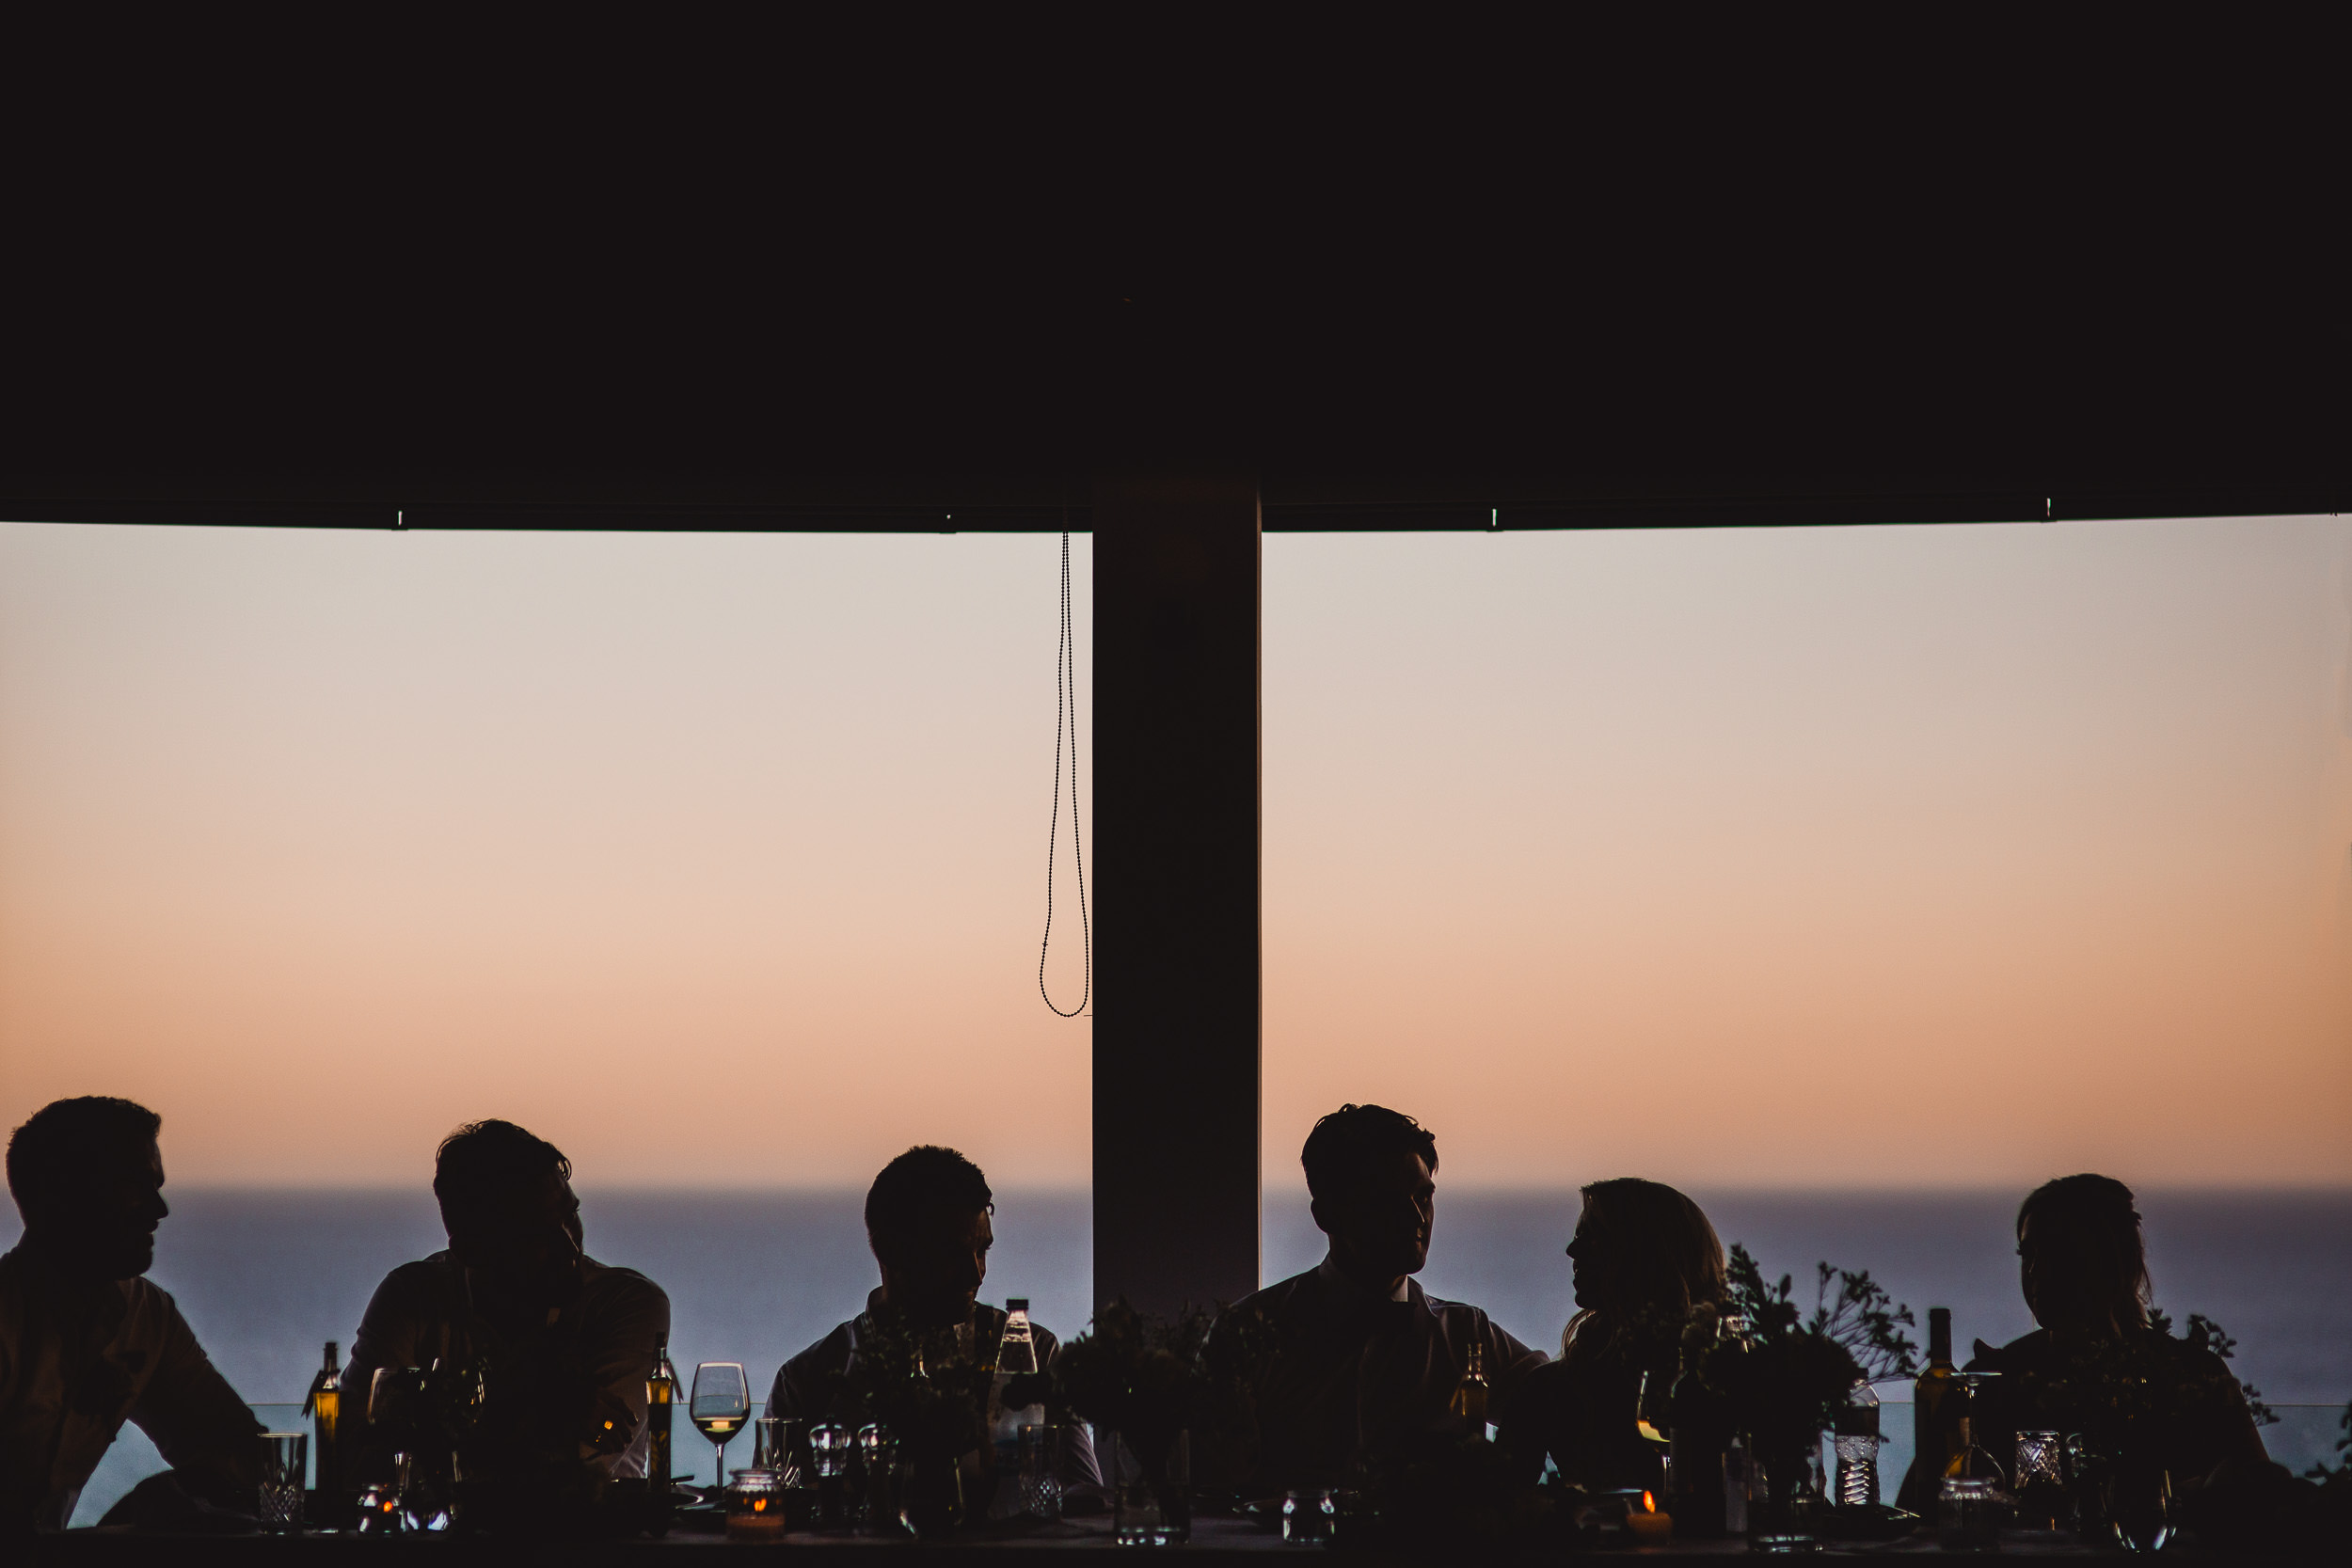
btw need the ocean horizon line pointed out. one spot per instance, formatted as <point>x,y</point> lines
<point>1069,1189</point>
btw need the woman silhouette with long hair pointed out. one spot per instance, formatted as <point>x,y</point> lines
<point>2102,1363</point>
<point>1647,1266</point>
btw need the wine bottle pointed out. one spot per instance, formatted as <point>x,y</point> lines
<point>325,1407</point>
<point>1470,1395</point>
<point>1699,1431</point>
<point>1934,1406</point>
<point>661,1401</point>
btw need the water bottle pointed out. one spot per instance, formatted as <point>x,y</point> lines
<point>1855,1430</point>
<point>1016,1355</point>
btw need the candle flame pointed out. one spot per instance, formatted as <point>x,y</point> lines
<point>759,1505</point>
<point>1650,1504</point>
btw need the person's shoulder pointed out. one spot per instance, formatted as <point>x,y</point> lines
<point>1276,1296</point>
<point>435,1279</point>
<point>826,1350</point>
<point>144,1301</point>
<point>435,1271</point>
<point>1460,1314</point>
<point>2026,1352</point>
<point>2193,1359</point>
<point>612,1279</point>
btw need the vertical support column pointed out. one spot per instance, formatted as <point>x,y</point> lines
<point>1176,935</point>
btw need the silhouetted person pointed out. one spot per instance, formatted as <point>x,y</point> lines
<point>2097,1366</point>
<point>928,1220</point>
<point>85,1343</point>
<point>1647,1265</point>
<point>564,1341</point>
<point>1356,1360</point>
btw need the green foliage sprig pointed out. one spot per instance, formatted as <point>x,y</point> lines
<point>2342,1474</point>
<point>2205,1334</point>
<point>925,1386</point>
<point>1153,1377</point>
<point>2120,1390</point>
<point>1784,1376</point>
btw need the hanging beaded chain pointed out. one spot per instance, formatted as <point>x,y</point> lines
<point>1066,718</point>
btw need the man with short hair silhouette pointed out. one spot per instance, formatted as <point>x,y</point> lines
<point>566,1341</point>
<point>928,1223</point>
<point>1355,1361</point>
<point>85,1342</point>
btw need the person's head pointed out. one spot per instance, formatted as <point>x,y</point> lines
<point>1372,1173</point>
<point>926,1218</point>
<point>2080,1257</point>
<point>88,1178</point>
<point>1642,1249</point>
<point>507,1204</point>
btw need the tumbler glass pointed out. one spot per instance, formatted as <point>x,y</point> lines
<point>2040,1481</point>
<point>1309,1518</point>
<point>774,1446</point>
<point>285,1463</point>
<point>829,1451</point>
<point>1040,1478</point>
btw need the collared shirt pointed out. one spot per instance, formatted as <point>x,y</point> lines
<point>814,1386</point>
<point>1351,1372</point>
<point>550,1388</point>
<point>76,1362</point>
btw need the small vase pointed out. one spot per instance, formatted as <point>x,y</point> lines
<point>1784,1502</point>
<point>1150,1492</point>
<point>932,1495</point>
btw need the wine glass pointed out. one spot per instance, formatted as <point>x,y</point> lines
<point>720,1403</point>
<point>396,1403</point>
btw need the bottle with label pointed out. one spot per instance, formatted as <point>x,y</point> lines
<point>1935,1419</point>
<point>1699,1431</point>
<point>661,1402</point>
<point>325,1407</point>
<point>1470,1395</point>
<point>1016,1357</point>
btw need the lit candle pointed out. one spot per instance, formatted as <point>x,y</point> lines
<point>755,1519</point>
<point>755,1506</point>
<point>1649,1527</point>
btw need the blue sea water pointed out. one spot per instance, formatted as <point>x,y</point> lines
<point>266,1276</point>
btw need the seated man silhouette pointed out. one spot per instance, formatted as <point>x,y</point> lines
<point>85,1343</point>
<point>563,1342</point>
<point>1356,1364</point>
<point>927,1221</point>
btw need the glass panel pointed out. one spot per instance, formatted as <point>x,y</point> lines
<point>322,843</point>
<point>1853,880</point>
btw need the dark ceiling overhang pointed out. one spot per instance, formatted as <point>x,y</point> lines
<point>1791,308</point>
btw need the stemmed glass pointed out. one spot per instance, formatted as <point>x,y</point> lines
<point>720,1403</point>
<point>394,1403</point>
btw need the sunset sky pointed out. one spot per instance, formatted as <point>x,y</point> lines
<point>1817,857</point>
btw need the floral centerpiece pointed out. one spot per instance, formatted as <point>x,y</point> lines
<point>1783,1376</point>
<point>926,1387</point>
<point>1150,1384</point>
